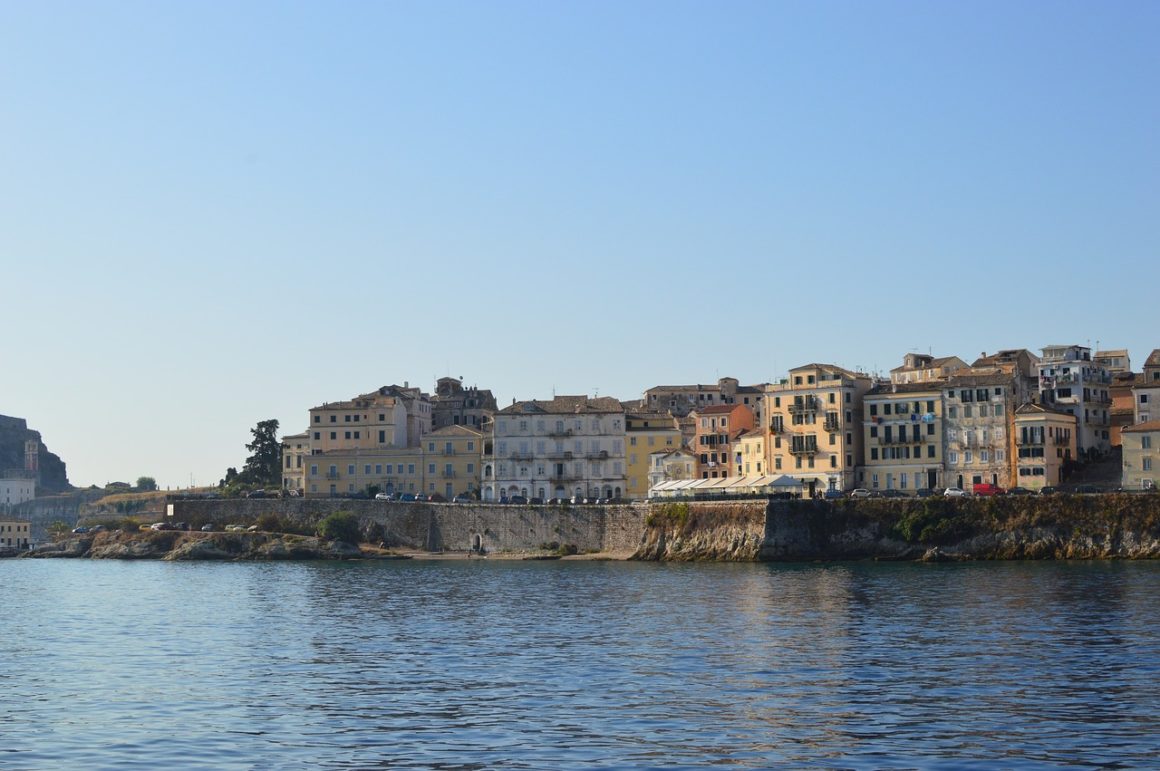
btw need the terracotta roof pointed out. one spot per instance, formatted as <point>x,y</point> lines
<point>932,364</point>
<point>719,409</point>
<point>957,381</point>
<point>455,430</point>
<point>833,368</point>
<point>565,405</point>
<point>1153,358</point>
<point>1031,408</point>
<point>886,389</point>
<point>1151,425</point>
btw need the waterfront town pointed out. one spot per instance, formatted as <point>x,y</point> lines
<point>1011,419</point>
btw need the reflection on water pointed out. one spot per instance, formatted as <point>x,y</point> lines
<point>577,665</point>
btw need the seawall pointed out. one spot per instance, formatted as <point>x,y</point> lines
<point>444,526</point>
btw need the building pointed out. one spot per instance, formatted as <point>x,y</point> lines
<point>646,433</point>
<point>715,431</point>
<point>16,487</point>
<point>1146,391</point>
<point>671,466</point>
<point>749,453</point>
<point>1071,382</point>
<point>680,400</point>
<point>454,405</point>
<point>453,458</point>
<point>295,460</point>
<point>1115,361</point>
<point>1122,392</point>
<point>392,416</point>
<point>979,413</point>
<point>1141,458</point>
<point>568,446</point>
<point>1045,444</point>
<point>1019,363</point>
<point>903,437</point>
<point>815,422</point>
<point>923,368</point>
<point>14,533</point>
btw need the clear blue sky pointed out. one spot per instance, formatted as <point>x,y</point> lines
<point>217,213</point>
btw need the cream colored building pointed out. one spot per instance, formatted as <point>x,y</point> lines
<point>295,460</point>
<point>14,533</point>
<point>1146,393</point>
<point>17,488</point>
<point>393,416</point>
<point>749,454</point>
<point>447,463</point>
<point>680,400</point>
<point>815,426</point>
<point>903,437</point>
<point>923,368</point>
<point>1045,440</point>
<point>979,416</point>
<point>1141,459</point>
<point>646,433</point>
<point>679,464</point>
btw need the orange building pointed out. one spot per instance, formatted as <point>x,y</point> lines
<point>717,429</point>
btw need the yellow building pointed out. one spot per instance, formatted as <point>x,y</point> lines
<point>645,434</point>
<point>14,533</point>
<point>1045,440</point>
<point>815,426</point>
<point>749,454</point>
<point>448,463</point>
<point>903,438</point>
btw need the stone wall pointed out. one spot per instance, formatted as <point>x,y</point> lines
<point>444,526</point>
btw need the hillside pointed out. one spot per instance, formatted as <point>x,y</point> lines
<point>14,432</point>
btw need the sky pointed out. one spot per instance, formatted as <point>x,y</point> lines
<point>213,214</point>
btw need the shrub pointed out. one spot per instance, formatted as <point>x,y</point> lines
<point>339,526</point>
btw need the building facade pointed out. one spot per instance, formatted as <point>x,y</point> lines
<point>671,466</point>
<point>903,437</point>
<point>749,453</point>
<point>1141,458</point>
<point>14,533</point>
<point>393,416</point>
<point>1071,382</point>
<point>295,461</point>
<point>815,426</point>
<point>1045,444</point>
<point>1146,391</point>
<point>646,433</point>
<point>979,413</point>
<point>923,368</point>
<point>680,400</point>
<point>567,446</point>
<point>716,429</point>
<point>16,488</point>
<point>454,405</point>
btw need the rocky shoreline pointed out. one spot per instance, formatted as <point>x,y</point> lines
<point>179,546</point>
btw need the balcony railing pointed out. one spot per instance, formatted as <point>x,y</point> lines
<point>564,455</point>
<point>831,426</point>
<point>447,474</point>
<point>332,475</point>
<point>803,449</point>
<point>809,404</point>
<point>560,434</point>
<point>520,456</point>
<point>602,455</point>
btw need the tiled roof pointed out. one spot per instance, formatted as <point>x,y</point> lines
<point>1031,408</point>
<point>455,431</point>
<point>565,405</point>
<point>718,409</point>
<point>886,389</point>
<point>957,380</point>
<point>833,368</point>
<point>1151,425</point>
<point>1153,358</point>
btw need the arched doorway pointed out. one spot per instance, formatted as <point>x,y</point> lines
<point>477,542</point>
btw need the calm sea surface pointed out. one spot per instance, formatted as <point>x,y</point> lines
<point>489,664</point>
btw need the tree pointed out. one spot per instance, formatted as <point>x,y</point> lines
<point>146,484</point>
<point>264,466</point>
<point>340,526</point>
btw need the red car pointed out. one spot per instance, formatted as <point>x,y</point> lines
<point>985,488</point>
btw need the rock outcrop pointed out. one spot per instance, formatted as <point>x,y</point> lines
<point>175,545</point>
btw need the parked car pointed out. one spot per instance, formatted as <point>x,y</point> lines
<point>421,498</point>
<point>407,498</point>
<point>518,499</point>
<point>832,494</point>
<point>162,526</point>
<point>384,497</point>
<point>1085,489</point>
<point>987,489</point>
<point>893,494</point>
<point>436,498</point>
<point>955,492</point>
<point>461,498</point>
<point>926,492</point>
<point>557,501</point>
<point>80,530</point>
<point>207,528</point>
<point>1019,491</point>
<point>1048,490</point>
<point>252,529</point>
<point>256,494</point>
<point>234,528</point>
<point>576,500</point>
<point>97,529</point>
<point>860,492</point>
<point>536,501</point>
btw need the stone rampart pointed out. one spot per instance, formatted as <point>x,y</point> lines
<point>443,526</point>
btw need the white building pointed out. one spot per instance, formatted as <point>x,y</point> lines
<point>16,490</point>
<point>569,446</point>
<point>1146,393</point>
<point>1069,381</point>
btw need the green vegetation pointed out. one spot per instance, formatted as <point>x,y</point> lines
<point>264,466</point>
<point>146,484</point>
<point>339,526</point>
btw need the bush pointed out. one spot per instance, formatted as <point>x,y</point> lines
<point>339,526</point>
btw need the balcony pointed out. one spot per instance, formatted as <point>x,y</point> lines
<point>332,475</point>
<point>447,474</point>
<point>566,455</point>
<point>1035,441</point>
<point>809,448</point>
<point>831,426</point>
<point>777,427</point>
<point>808,404</point>
<point>520,456</point>
<point>602,455</point>
<point>560,434</point>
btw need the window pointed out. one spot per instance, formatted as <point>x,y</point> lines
<point>952,412</point>
<point>1147,465</point>
<point>350,469</point>
<point>1145,442</point>
<point>317,435</point>
<point>334,435</point>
